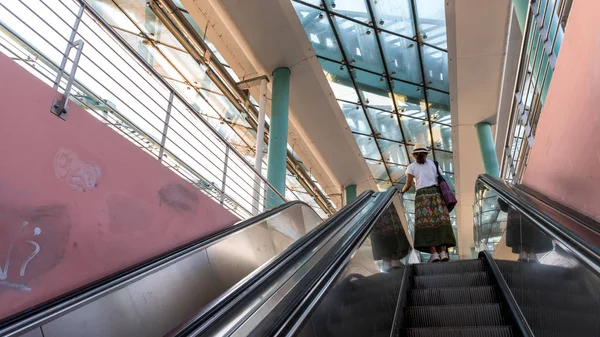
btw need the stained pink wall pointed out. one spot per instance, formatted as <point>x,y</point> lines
<point>565,159</point>
<point>78,201</point>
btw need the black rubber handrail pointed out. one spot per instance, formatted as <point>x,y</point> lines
<point>306,300</point>
<point>399,321</point>
<point>506,296</point>
<point>581,248</point>
<point>219,308</point>
<point>53,308</point>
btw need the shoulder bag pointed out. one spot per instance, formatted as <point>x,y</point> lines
<point>447,193</point>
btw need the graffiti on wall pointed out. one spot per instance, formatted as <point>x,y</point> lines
<point>34,244</point>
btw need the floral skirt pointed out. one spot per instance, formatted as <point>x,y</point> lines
<point>433,227</point>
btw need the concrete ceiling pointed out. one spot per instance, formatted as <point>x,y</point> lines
<point>255,38</point>
<point>477,36</point>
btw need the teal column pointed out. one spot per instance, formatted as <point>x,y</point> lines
<point>350,193</point>
<point>488,149</point>
<point>278,133</point>
<point>521,7</point>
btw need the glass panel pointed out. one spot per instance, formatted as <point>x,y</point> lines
<point>431,18</point>
<point>435,67</point>
<point>360,44</point>
<point>445,160</point>
<point>112,14</point>
<point>370,279</point>
<point>385,124</point>
<point>439,106</point>
<point>374,90</point>
<point>451,181</point>
<point>416,131</point>
<point>368,147</point>
<point>401,57</point>
<point>543,275</point>
<point>442,136</point>
<point>377,170</point>
<point>355,117</point>
<point>383,184</point>
<point>339,80</point>
<point>355,9</point>
<point>409,99</point>
<point>397,173</point>
<point>393,152</point>
<point>395,16</point>
<point>319,31</point>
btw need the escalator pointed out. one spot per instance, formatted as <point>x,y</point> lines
<point>537,274</point>
<point>153,297</point>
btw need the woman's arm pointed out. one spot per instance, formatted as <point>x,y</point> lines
<point>409,182</point>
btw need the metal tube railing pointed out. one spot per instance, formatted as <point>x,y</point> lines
<point>210,149</point>
<point>539,41</point>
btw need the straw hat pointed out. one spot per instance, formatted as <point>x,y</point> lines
<point>420,148</point>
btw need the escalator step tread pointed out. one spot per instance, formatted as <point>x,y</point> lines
<point>452,280</point>
<point>491,331</point>
<point>477,315</point>
<point>467,266</point>
<point>447,296</point>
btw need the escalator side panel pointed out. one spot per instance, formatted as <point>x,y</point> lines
<point>155,303</point>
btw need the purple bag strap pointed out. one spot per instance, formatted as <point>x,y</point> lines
<point>437,170</point>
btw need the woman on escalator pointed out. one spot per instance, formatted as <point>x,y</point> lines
<point>433,228</point>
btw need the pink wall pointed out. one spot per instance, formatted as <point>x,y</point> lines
<point>78,201</point>
<point>565,159</point>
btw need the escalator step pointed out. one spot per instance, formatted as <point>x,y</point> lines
<point>493,331</point>
<point>467,266</point>
<point>478,315</point>
<point>452,280</point>
<point>447,296</point>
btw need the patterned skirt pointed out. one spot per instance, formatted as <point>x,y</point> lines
<point>433,227</point>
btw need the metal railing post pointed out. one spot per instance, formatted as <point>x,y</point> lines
<point>70,44</point>
<point>166,128</point>
<point>59,107</point>
<point>224,180</point>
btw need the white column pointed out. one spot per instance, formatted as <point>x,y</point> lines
<point>260,133</point>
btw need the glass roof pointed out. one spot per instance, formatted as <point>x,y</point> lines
<point>387,64</point>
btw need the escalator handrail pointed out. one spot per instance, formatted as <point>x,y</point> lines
<point>507,297</point>
<point>302,306</point>
<point>219,307</point>
<point>584,251</point>
<point>46,311</point>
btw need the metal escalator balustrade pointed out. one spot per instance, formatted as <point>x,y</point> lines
<point>547,253</point>
<point>153,297</point>
<point>277,298</point>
